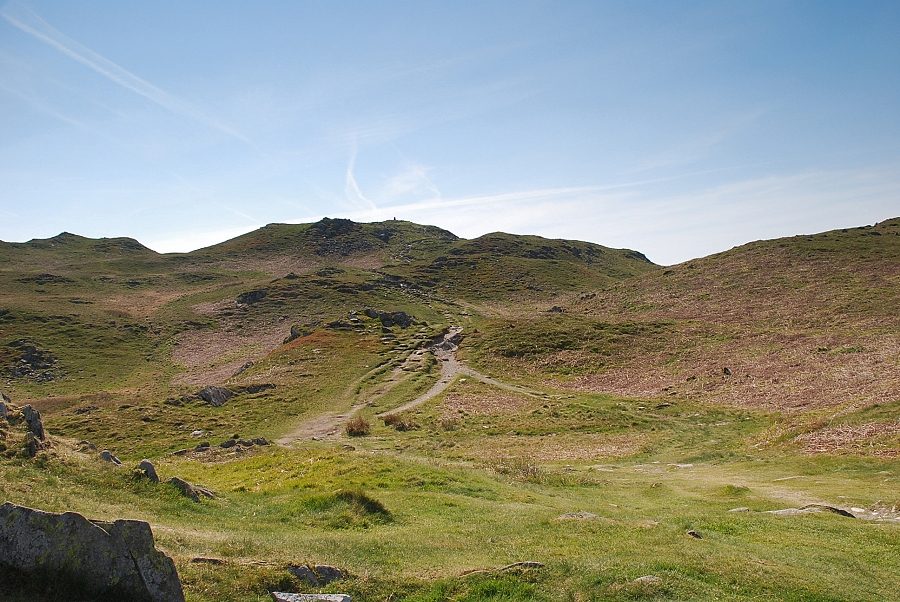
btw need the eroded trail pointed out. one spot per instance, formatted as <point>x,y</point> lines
<point>329,424</point>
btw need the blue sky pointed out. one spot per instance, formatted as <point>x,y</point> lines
<point>676,128</point>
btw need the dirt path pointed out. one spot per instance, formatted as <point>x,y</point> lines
<point>329,424</point>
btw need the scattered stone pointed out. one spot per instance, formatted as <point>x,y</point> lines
<point>34,422</point>
<point>112,560</point>
<point>205,560</point>
<point>4,409</point>
<point>556,309</point>
<point>695,534</point>
<point>726,371</point>
<point>284,597</point>
<point>261,441</point>
<point>202,447</point>
<point>391,318</point>
<point>215,396</point>
<point>192,491</point>
<point>107,456</point>
<point>197,434</point>
<point>740,509</point>
<point>246,366</point>
<point>296,333</point>
<point>251,389</point>
<point>648,580</point>
<point>86,446</point>
<point>527,564</point>
<point>147,470</point>
<point>228,443</point>
<point>578,516</point>
<point>251,297</point>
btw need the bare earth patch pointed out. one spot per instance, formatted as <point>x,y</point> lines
<point>214,356</point>
<point>482,404</point>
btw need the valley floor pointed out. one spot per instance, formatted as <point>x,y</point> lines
<point>617,499</point>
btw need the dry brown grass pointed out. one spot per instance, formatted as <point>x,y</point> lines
<point>358,427</point>
<point>554,448</point>
<point>875,438</point>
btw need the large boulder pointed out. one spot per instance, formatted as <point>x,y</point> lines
<point>105,560</point>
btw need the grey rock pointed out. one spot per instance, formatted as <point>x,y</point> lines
<point>261,441</point>
<point>648,580</point>
<point>285,597</point>
<point>115,560</point>
<point>809,509</point>
<point>195,492</point>
<point>34,422</point>
<point>4,409</point>
<point>252,297</point>
<point>107,456</point>
<point>228,443</point>
<point>694,534</point>
<point>148,470</point>
<point>215,396</point>
<point>32,445</point>
<point>304,574</point>
<point>296,333</point>
<point>328,573</point>
<point>317,575</point>
<point>391,318</point>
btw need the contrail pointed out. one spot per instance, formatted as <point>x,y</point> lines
<point>31,23</point>
<point>351,187</point>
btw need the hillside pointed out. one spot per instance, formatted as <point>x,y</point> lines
<point>516,398</point>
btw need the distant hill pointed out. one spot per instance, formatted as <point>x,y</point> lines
<point>799,323</point>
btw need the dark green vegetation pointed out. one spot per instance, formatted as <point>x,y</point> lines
<point>649,402</point>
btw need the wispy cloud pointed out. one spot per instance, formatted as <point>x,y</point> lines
<point>352,190</point>
<point>31,23</point>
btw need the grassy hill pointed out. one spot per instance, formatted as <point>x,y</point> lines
<point>603,407</point>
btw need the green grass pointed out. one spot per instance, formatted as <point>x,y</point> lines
<point>479,478</point>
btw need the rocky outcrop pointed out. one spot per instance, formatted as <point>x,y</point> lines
<point>34,423</point>
<point>104,560</point>
<point>215,396</point>
<point>391,318</point>
<point>251,297</point>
